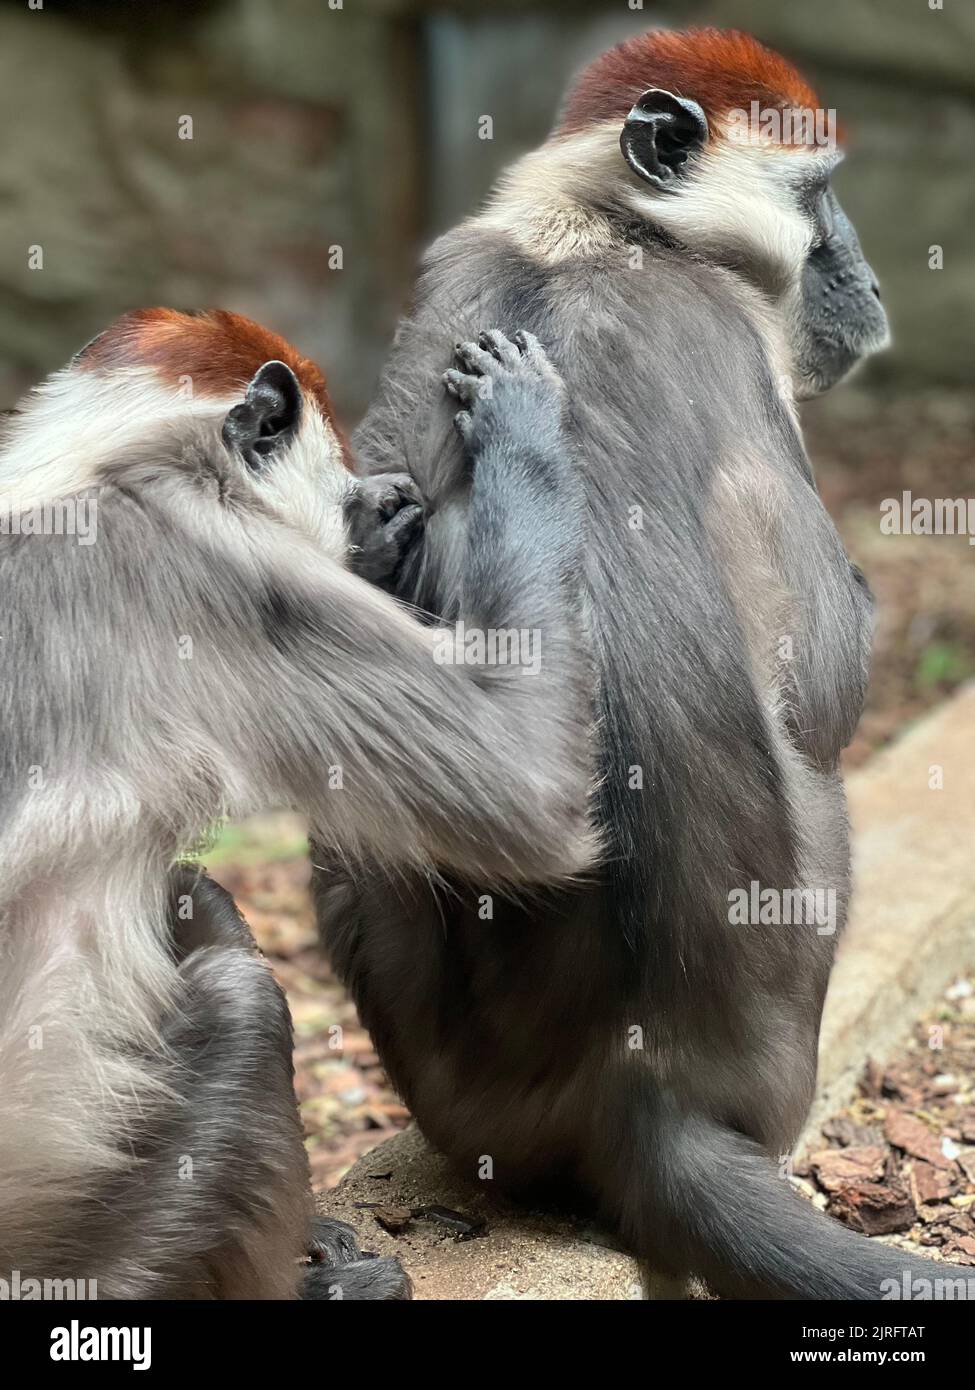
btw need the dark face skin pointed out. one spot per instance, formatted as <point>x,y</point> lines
<point>842,317</point>
<point>839,319</point>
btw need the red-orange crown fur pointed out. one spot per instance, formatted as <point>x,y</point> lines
<point>721,69</point>
<point>220,351</point>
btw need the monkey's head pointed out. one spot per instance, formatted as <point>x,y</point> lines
<point>721,144</point>
<point>198,408</point>
<point>263,410</point>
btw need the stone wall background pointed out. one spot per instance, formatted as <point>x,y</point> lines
<point>316,127</point>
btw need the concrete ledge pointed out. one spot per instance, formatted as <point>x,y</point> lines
<point>912,928</point>
<point>913,921</point>
<point>519,1257</point>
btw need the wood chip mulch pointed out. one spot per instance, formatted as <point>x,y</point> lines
<point>900,1160</point>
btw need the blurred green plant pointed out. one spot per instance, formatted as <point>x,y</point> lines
<point>943,664</point>
<point>259,840</point>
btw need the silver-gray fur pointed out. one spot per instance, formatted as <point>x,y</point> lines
<point>623,1041</point>
<point>208,655</point>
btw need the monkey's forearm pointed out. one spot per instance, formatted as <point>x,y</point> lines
<point>524,540</point>
<point>371,725</point>
<point>467,747</point>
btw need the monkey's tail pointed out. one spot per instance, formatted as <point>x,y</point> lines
<point>719,1209</point>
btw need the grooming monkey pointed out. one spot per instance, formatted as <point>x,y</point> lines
<point>622,1040</point>
<point>208,655</point>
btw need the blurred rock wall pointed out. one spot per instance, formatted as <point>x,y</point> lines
<point>901,75</point>
<point>303,139</point>
<point>329,140</point>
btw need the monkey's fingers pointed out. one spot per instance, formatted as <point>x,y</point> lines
<point>464,425</point>
<point>501,347</point>
<point>462,385</point>
<point>476,359</point>
<point>404,526</point>
<point>399,491</point>
<point>382,519</point>
<point>535,356</point>
<point>529,346</point>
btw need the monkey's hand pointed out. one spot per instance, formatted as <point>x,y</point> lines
<point>514,397</point>
<point>383,517</point>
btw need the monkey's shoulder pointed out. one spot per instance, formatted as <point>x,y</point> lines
<point>658,349</point>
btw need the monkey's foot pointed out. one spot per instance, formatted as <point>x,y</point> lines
<point>383,516</point>
<point>339,1270</point>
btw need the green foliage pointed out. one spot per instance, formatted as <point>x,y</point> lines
<point>943,664</point>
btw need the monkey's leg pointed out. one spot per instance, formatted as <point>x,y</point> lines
<point>216,1200</point>
<point>205,917</point>
<point>216,1203</point>
<point>211,1198</point>
<point>203,914</point>
<point>231,1172</point>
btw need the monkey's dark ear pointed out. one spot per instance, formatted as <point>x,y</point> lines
<point>267,417</point>
<point>660,133</point>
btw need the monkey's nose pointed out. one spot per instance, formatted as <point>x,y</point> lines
<point>874,287</point>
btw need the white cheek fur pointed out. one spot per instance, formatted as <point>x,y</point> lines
<point>738,197</point>
<point>307,484</point>
<point>76,419</point>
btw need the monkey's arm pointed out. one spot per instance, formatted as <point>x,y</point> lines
<point>831,675</point>
<point>826,681</point>
<point>397,747</point>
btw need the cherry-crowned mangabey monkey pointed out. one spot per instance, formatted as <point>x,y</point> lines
<point>632,1039</point>
<point>201,653</point>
